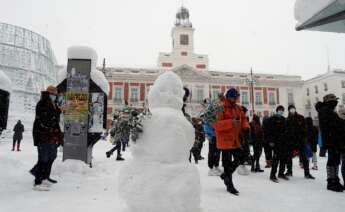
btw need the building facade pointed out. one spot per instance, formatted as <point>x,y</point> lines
<point>316,88</point>
<point>28,60</point>
<point>131,86</point>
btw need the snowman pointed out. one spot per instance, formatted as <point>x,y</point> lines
<point>159,177</point>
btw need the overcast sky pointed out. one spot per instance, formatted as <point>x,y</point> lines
<point>236,34</point>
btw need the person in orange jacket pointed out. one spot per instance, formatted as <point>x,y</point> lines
<point>230,125</point>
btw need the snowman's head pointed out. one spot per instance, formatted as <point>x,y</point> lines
<point>167,91</point>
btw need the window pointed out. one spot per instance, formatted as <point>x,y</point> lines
<point>325,86</point>
<point>271,99</point>
<point>244,98</point>
<point>343,98</point>
<point>308,92</point>
<point>343,84</point>
<point>200,95</point>
<point>184,53</point>
<point>215,94</point>
<point>118,95</point>
<point>291,100</point>
<point>184,40</point>
<point>167,64</point>
<point>316,89</point>
<point>201,66</point>
<point>258,98</point>
<point>134,95</point>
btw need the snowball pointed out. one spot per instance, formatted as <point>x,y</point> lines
<point>306,9</point>
<point>5,82</point>
<point>167,91</point>
<point>81,52</point>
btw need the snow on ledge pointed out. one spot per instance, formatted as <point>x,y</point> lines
<point>83,52</point>
<point>5,82</point>
<point>306,9</point>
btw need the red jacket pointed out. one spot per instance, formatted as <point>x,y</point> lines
<point>229,126</point>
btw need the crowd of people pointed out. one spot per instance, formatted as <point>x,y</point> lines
<point>226,126</point>
<point>229,133</point>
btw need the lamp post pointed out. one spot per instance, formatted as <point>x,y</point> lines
<point>251,81</point>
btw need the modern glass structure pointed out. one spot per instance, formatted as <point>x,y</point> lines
<point>28,60</point>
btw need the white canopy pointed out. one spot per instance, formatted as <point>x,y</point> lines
<point>320,15</point>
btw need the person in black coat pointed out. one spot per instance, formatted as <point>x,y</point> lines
<point>333,133</point>
<point>312,140</point>
<point>257,137</point>
<point>18,135</point>
<point>296,135</point>
<point>267,148</point>
<point>47,136</point>
<point>275,137</point>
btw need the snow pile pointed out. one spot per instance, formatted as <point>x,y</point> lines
<point>5,82</point>
<point>306,9</point>
<point>159,178</point>
<point>82,52</point>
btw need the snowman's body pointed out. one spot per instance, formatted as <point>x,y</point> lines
<point>159,178</point>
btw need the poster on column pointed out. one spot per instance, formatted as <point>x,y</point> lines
<point>76,117</point>
<point>96,113</point>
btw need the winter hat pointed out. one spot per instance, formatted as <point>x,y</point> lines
<point>291,107</point>
<point>329,98</point>
<point>52,89</point>
<point>280,107</point>
<point>232,93</point>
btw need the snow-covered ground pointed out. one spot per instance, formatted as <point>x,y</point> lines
<point>91,190</point>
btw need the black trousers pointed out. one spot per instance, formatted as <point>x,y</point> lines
<point>231,159</point>
<point>268,152</point>
<point>279,159</point>
<point>47,154</point>
<point>116,147</point>
<point>303,158</point>
<point>257,147</point>
<point>213,153</point>
<point>16,141</point>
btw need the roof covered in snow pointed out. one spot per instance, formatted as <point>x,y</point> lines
<point>82,52</point>
<point>5,82</point>
<point>320,15</point>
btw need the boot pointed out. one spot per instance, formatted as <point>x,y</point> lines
<point>274,179</point>
<point>283,176</point>
<point>334,185</point>
<point>18,147</point>
<point>309,176</point>
<point>119,158</point>
<point>257,168</point>
<point>108,154</point>
<point>230,186</point>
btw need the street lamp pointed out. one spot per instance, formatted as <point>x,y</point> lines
<point>251,81</point>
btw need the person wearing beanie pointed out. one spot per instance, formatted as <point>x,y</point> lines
<point>333,133</point>
<point>231,123</point>
<point>275,137</point>
<point>296,136</point>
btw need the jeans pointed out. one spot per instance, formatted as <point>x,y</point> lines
<point>47,153</point>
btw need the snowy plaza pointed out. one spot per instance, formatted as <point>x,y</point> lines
<point>83,189</point>
<point>88,124</point>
